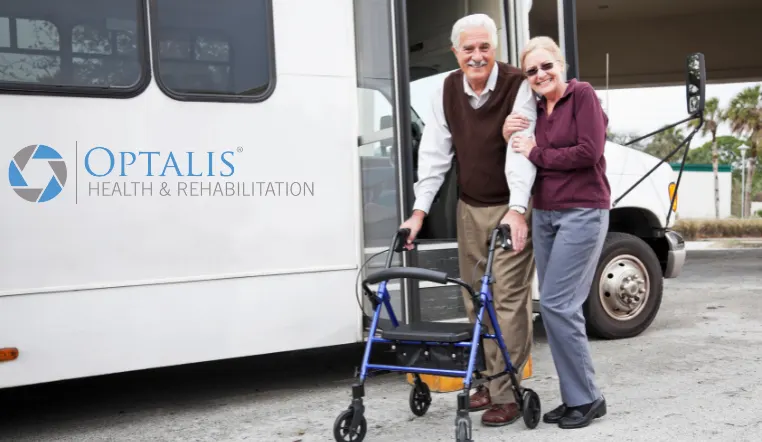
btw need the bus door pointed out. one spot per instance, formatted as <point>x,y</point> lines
<point>389,130</point>
<point>554,18</point>
<point>385,131</point>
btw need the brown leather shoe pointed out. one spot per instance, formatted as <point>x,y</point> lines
<point>480,400</point>
<point>501,414</point>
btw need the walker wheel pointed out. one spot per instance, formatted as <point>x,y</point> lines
<point>463,429</point>
<point>342,431</point>
<point>420,399</point>
<point>532,408</point>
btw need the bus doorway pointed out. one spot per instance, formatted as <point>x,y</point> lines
<point>403,53</point>
<point>431,59</point>
<point>639,181</point>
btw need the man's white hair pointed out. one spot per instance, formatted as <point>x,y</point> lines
<point>473,21</point>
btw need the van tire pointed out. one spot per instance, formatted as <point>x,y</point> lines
<point>631,266</point>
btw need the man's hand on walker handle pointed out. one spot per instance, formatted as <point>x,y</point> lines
<point>414,223</point>
<point>518,225</point>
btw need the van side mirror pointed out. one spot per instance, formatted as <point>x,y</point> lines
<point>695,85</point>
<point>385,122</point>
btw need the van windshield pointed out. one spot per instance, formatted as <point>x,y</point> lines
<point>421,93</point>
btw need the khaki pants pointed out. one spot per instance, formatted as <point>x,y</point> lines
<point>512,291</point>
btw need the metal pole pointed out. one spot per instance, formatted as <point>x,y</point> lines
<point>607,83</point>
<point>570,39</point>
<point>743,148</point>
<point>401,64</point>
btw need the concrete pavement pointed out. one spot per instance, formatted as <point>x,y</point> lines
<point>692,376</point>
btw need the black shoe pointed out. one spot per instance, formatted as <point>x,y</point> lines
<point>554,416</point>
<point>579,417</point>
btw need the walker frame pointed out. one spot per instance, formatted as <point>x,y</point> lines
<point>435,348</point>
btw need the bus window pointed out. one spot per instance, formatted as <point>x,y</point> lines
<point>214,50</point>
<point>75,47</point>
<point>20,62</point>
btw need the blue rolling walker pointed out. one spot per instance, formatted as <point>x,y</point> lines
<point>440,349</point>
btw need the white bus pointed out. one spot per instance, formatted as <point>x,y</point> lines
<point>199,180</point>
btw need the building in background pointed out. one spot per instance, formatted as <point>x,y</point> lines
<point>695,196</point>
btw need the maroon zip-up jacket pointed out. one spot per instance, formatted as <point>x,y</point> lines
<point>571,168</point>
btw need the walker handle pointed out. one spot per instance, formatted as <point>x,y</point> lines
<point>398,245</point>
<point>502,234</point>
<point>402,234</point>
<point>408,273</point>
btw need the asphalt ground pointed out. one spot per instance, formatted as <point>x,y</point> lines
<point>693,375</point>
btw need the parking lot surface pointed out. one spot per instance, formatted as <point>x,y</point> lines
<point>693,375</point>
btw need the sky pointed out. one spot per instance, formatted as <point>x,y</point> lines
<point>644,110</point>
<point>638,111</point>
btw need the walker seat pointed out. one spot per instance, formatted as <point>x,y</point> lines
<point>430,331</point>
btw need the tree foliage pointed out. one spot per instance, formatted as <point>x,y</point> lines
<point>743,117</point>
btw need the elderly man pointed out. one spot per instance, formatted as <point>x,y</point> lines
<point>471,113</point>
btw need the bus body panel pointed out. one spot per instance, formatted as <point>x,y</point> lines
<point>68,335</point>
<point>95,284</point>
<point>274,220</point>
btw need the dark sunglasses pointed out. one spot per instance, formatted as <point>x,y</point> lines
<point>548,65</point>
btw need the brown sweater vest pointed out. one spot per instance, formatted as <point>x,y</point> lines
<point>477,136</point>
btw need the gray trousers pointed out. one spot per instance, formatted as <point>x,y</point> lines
<point>567,246</point>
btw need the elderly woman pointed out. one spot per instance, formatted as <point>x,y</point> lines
<point>570,218</point>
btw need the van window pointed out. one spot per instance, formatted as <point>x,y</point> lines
<point>219,50</point>
<point>73,47</point>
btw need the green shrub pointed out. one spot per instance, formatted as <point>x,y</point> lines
<point>693,229</point>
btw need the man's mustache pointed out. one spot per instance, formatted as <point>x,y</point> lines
<point>477,64</point>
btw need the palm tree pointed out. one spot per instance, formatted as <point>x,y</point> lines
<point>745,117</point>
<point>713,116</point>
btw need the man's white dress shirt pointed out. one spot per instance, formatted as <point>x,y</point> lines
<point>435,152</point>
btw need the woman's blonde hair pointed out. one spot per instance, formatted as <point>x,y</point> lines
<point>546,43</point>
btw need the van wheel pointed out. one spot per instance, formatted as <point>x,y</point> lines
<point>626,292</point>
